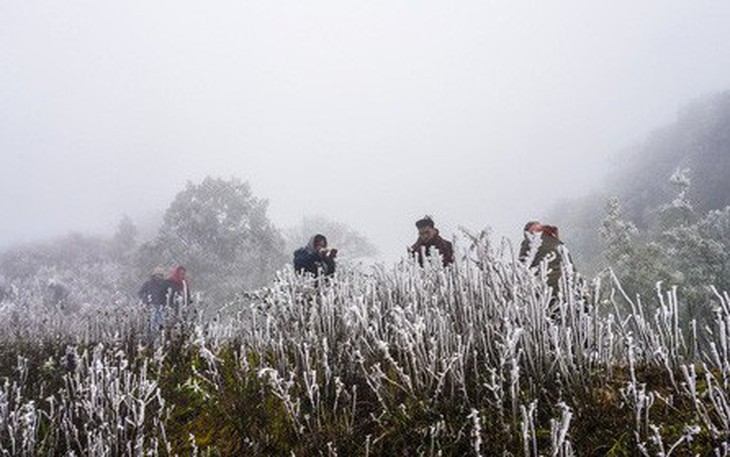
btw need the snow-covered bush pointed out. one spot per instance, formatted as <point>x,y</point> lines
<point>679,248</point>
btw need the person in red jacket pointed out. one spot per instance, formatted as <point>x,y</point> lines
<point>429,241</point>
<point>178,288</point>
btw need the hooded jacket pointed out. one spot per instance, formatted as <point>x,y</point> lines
<point>153,291</point>
<point>308,260</point>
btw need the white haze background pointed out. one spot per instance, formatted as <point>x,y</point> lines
<point>370,113</point>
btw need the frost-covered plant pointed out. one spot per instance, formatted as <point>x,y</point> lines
<point>476,358</point>
<point>104,407</point>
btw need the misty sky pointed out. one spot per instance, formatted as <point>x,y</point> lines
<point>371,113</point>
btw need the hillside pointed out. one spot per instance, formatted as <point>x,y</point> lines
<point>699,140</point>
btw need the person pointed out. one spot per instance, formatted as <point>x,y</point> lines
<point>541,243</point>
<point>57,294</point>
<point>429,238</point>
<point>178,289</point>
<point>531,237</point>
<point>315,258</point>
<point>153,294</point>
<point>154,290</point>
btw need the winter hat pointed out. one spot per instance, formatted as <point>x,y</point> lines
<point>158,271</point>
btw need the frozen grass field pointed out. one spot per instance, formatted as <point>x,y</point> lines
<point>396,360</point>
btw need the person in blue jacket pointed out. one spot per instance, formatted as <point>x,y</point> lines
<point>154,296</point>
<point>315,258</point>
<point>154,290</point>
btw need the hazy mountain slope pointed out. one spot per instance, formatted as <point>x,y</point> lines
<point>699,140</point>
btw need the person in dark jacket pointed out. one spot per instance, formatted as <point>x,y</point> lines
<point>56,294</point>
<point>154,290</point>
<point>315,258</point>
<point>430,239</point>
<point>541,243</point>
<point>551,250</point>
<point>154,295</point>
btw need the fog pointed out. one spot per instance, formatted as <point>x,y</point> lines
<point>480,113</point>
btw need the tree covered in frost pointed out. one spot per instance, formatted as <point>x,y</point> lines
<point>220,232</point>
<point>68,272</point>
<point>125,238</point>
<point>216,228</point>
<point>679,248</point>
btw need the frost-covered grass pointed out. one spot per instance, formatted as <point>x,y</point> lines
<point>471,360</point>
